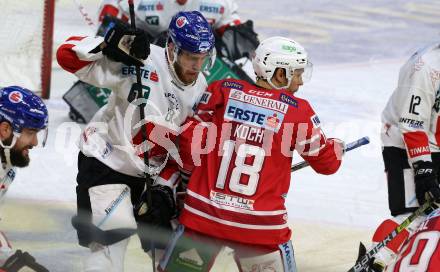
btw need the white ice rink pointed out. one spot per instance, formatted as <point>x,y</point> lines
<point>357,48</point>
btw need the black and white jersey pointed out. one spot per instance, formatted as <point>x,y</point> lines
<point>411,116</point>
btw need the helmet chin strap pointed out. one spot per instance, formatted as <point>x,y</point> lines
<point>7,148</point>
<point>172,69</point>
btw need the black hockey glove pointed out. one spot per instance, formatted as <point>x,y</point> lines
<point>238,41</point>
<point>371,266</point>
<point>426,181</point>
<point>126,45</point>
<point>154,222</point>
<point>22,259</point>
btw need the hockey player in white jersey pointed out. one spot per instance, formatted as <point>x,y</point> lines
<point>111,171</point>
<point>235,40</point>
<point>155,16</point>
<point>23,125</point>
<point>411,146</point>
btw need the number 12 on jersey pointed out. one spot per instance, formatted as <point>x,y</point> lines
<point>240,167</point>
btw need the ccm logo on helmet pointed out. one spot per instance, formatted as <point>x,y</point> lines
<point>181,21</point>
<point>15,97</point>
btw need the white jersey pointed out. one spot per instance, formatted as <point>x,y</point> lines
<point>113,136</point>
<point>154,16</point>
<point>411,116</point>
<point>7,175</point>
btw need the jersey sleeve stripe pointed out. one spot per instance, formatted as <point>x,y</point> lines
<point>314,151</point>
<point>311,140</point>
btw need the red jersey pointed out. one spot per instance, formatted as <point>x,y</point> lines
<point>422,251</point>
<point>239,148</point>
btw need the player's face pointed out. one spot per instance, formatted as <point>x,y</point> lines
<point>20,151</point>
<point>297,80</point>
<point>189,65</point>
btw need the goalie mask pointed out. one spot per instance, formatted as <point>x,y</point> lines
<point>279,52</point>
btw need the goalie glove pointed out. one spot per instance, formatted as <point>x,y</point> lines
<point>20,260</point>
<point>126,45</point>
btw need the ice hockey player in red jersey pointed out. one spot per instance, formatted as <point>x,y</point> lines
<point>411,146</point>
<point>421,253</point>
<point>238,148</point>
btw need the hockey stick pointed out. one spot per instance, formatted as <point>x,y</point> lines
<point>138,93</point>
<point>350,146</point>
<point>363,262</point>
<point>84,14</point>
<point>143,130</point>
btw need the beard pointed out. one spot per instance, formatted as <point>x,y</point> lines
<point>18,158</point>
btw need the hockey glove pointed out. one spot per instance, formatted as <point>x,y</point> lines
<point>126,45</point>
<point>154,223</point>
<point>339,147</point>
<point>372,266</point>
<point>22,259</point>
<point>426,181</point>
<point>238,41</point>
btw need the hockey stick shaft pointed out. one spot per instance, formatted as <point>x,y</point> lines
<point>84,14</point>
<point>143,130</point>
<point>141,109</point>
<point>362,263</point>
<point>350,146</point>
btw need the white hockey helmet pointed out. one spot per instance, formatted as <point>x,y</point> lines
<point>279,52</point>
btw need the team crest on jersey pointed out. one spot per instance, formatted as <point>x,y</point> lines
<point>252,115</point>
<point>15,97</point>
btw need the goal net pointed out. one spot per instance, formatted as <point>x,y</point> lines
<point>26,33</point>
